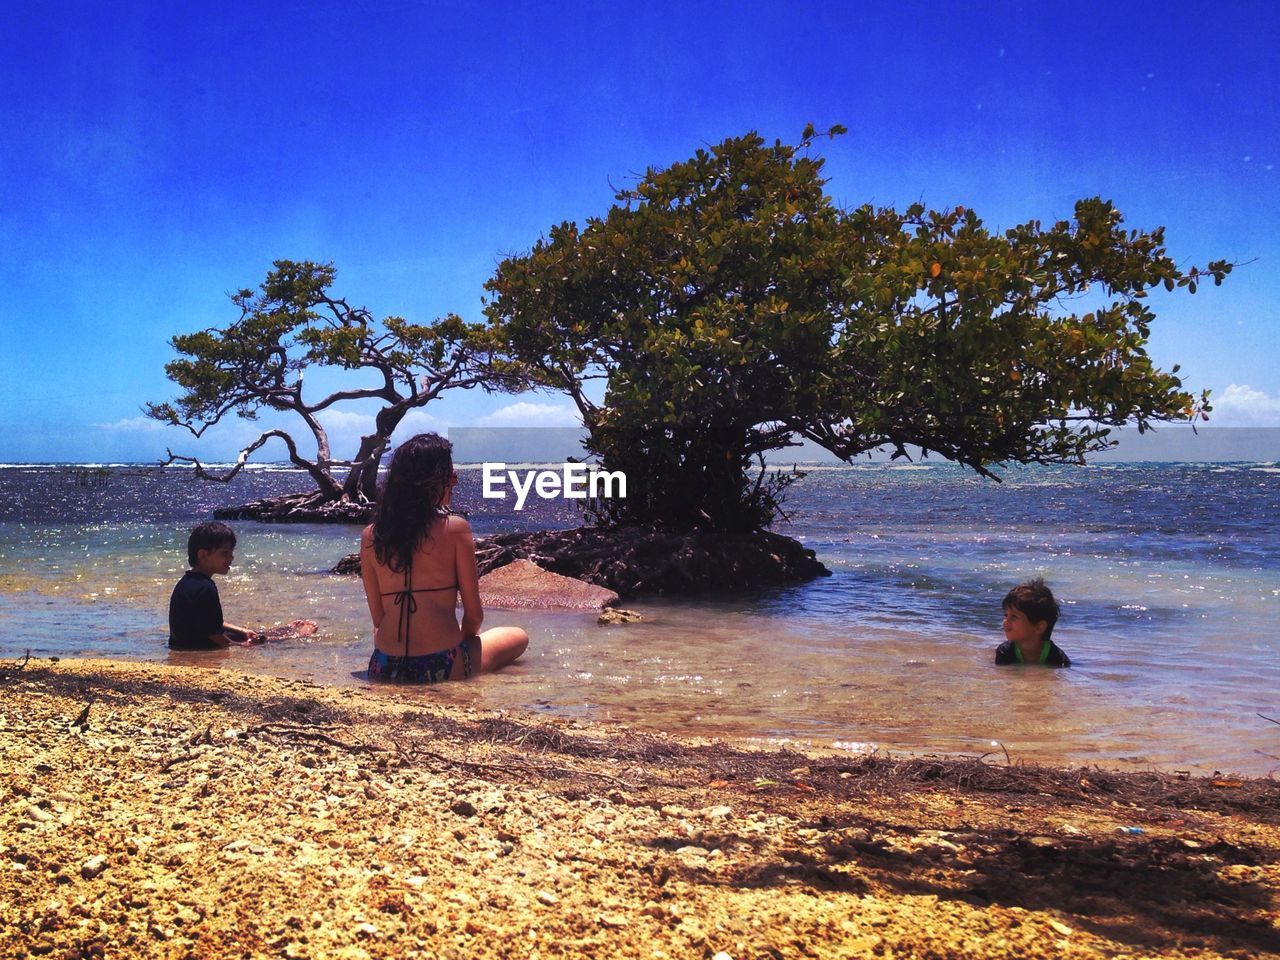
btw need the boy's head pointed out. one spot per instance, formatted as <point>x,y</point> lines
<point>211,545</point>
<point>1035,601</point>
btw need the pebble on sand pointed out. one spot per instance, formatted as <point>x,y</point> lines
<point>94,866</point>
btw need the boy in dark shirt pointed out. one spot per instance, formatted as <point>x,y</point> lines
<point>195,612</point>
<point>1030,611</point>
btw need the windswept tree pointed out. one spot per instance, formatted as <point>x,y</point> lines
<point>293,323</point>
<point>728,305</point>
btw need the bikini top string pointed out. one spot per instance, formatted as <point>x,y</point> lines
<point>408,604</point>
<point>405,600</point>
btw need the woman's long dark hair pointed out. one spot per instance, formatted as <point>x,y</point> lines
<point>410,499</point>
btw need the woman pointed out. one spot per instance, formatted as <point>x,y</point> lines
<point>415,559</point>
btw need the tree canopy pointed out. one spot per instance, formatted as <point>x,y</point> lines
<point>293,323</point>
<point>728,305</point>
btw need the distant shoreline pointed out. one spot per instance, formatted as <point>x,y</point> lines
<point>1226,446</point>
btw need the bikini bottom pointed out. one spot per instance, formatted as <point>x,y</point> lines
<point>429,668</point>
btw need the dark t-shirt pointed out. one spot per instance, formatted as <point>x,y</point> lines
<point>1051,655</point>
<point>195,613</point>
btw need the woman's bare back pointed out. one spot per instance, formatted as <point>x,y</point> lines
<point>420,607</point>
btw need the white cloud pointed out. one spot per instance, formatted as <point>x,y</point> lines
<point>419,421</point>
<point>1240,405</point>
<point>416,422</point>
<point>346,427</point>
<point>346,421</point>
<point>525,414</point>
<point>134,424</point>
<point>349,424</point>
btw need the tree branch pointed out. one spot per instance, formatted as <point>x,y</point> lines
<point>322,479</point>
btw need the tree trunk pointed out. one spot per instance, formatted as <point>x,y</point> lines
<point>361,485</point>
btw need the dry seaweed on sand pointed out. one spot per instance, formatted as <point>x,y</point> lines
<point>206,813</point>
<point>11,669</point>
<point>524,743</point>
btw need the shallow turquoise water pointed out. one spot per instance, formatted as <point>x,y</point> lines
<point>1169,577</point>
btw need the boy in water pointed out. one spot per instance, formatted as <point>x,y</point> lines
<point>195,612</point>
<point>1030,611</point>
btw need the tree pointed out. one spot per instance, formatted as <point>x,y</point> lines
<point>963,342</point>
<point>293,323</point>
<point>728,305</point>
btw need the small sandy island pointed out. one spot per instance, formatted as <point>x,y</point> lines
<point>154,811</point>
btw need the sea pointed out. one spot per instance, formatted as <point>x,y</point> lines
<point>1168,575</point>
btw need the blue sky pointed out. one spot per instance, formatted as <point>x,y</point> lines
<point>156,156</point>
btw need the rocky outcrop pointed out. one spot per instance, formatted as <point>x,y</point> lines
<point>523,584</point>
<point>348,565</point>
<point>299,508</point>
<point>634,561</point>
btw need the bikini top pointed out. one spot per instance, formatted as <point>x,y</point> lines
<point>405,600</point>
<point>407,603</point>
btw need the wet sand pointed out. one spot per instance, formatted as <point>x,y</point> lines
<point>161,811</point>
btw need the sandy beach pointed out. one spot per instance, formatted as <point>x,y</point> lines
<point>154,811</point>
